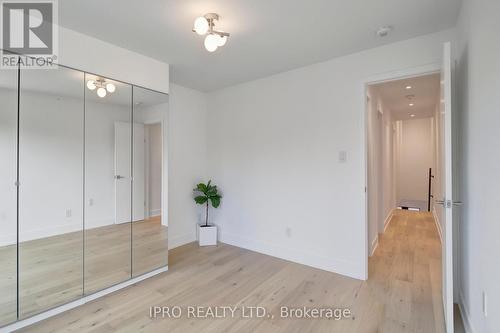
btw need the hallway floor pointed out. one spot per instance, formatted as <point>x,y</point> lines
<point>405,274</point>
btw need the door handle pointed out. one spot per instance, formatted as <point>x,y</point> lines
<point>449,203</point>
<point>119,177</point>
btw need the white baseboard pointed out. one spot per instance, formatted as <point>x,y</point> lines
<point>374,246</point>
<point>465,314</point>
<point>71,305</point>
<point>178,240</point>
<point>154,212</point>
<point>438,225</point>
<point>330,264</point>
<point>388,219</point>
<point>29,235</point>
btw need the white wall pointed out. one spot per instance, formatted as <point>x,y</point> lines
<point>96,56</point>
<point>380,170</point>
<point>374,114</point>
<point>187,151</point>
<point>389,182</point>
<point>438,168</point>
<point>273,149</point>
<point>478,81</point>
<point>415,159</point>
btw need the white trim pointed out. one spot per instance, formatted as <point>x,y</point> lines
<point>438,225</point>
<point>154,212</point>
<point>374,245</point>
<point>61,229</point>
<point>465,314</point>
<point>344,267</point>
<point>388,219</point>
<point>176,241</point>
<point>71,305</point>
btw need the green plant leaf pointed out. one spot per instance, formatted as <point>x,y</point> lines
<point>201,199</point>
<point>211,192</point>
<point>215,200</point>
<point>201,187</point>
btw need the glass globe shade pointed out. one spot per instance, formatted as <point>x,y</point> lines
<point>101,92</point>
<point>221,40</point>
<point>211,42</point>
<point>110,87</point>
<point>201,25</point>
<point>91,84</point>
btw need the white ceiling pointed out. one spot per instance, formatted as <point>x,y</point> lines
<point>425,90</point>
<point>267,36</point>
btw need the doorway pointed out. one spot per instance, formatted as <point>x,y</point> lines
<point>405,179</point>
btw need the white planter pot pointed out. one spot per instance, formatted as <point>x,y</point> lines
<point>207,235</point>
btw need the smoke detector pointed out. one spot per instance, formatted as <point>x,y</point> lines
<point>384,31</point>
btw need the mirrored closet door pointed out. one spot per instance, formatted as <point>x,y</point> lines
<point>51,113</point>
<point>149,228</point>
<point>8,196</point>
<point>81,187</point>
<point>108,183</point>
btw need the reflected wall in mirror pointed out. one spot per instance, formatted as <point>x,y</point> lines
<point>149,229</point>
<point>8,196</point>
<point>51,188</point>
<point>108,183</point>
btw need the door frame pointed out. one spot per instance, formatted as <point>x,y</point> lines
<point>147,164</point>
<point>405,73</point>
<point>162,120</point>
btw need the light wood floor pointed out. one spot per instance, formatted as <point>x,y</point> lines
<point>401,295</point>
<point>51,268</point>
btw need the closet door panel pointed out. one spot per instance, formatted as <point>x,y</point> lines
<point>108,183</point>
<point>8,196</point>
<point>149,227</point>
<point>51,188</point>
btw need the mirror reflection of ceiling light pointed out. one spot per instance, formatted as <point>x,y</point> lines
<point>205,25</point>
<point>102,87</point>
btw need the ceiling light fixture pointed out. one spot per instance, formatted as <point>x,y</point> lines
<point>411,104</point>
<point>205,25</point>
<point>412,115</point>
<point>102,87</point>
<point>408,87</point>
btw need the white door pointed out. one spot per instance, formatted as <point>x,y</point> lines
<point>447,130</point>
<point>129,191</point>
<point>123,172</point>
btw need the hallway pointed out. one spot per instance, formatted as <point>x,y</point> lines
<point>405,274</point>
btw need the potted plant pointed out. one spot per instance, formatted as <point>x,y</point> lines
<point>207,194</point>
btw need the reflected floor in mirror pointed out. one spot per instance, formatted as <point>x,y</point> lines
<point>51,268</point>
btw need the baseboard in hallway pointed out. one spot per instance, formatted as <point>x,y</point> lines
<point>374,246</point>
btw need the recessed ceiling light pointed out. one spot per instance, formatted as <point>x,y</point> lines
<point>412,115</point>
<point>408,87</point>
<point>411,104</point>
